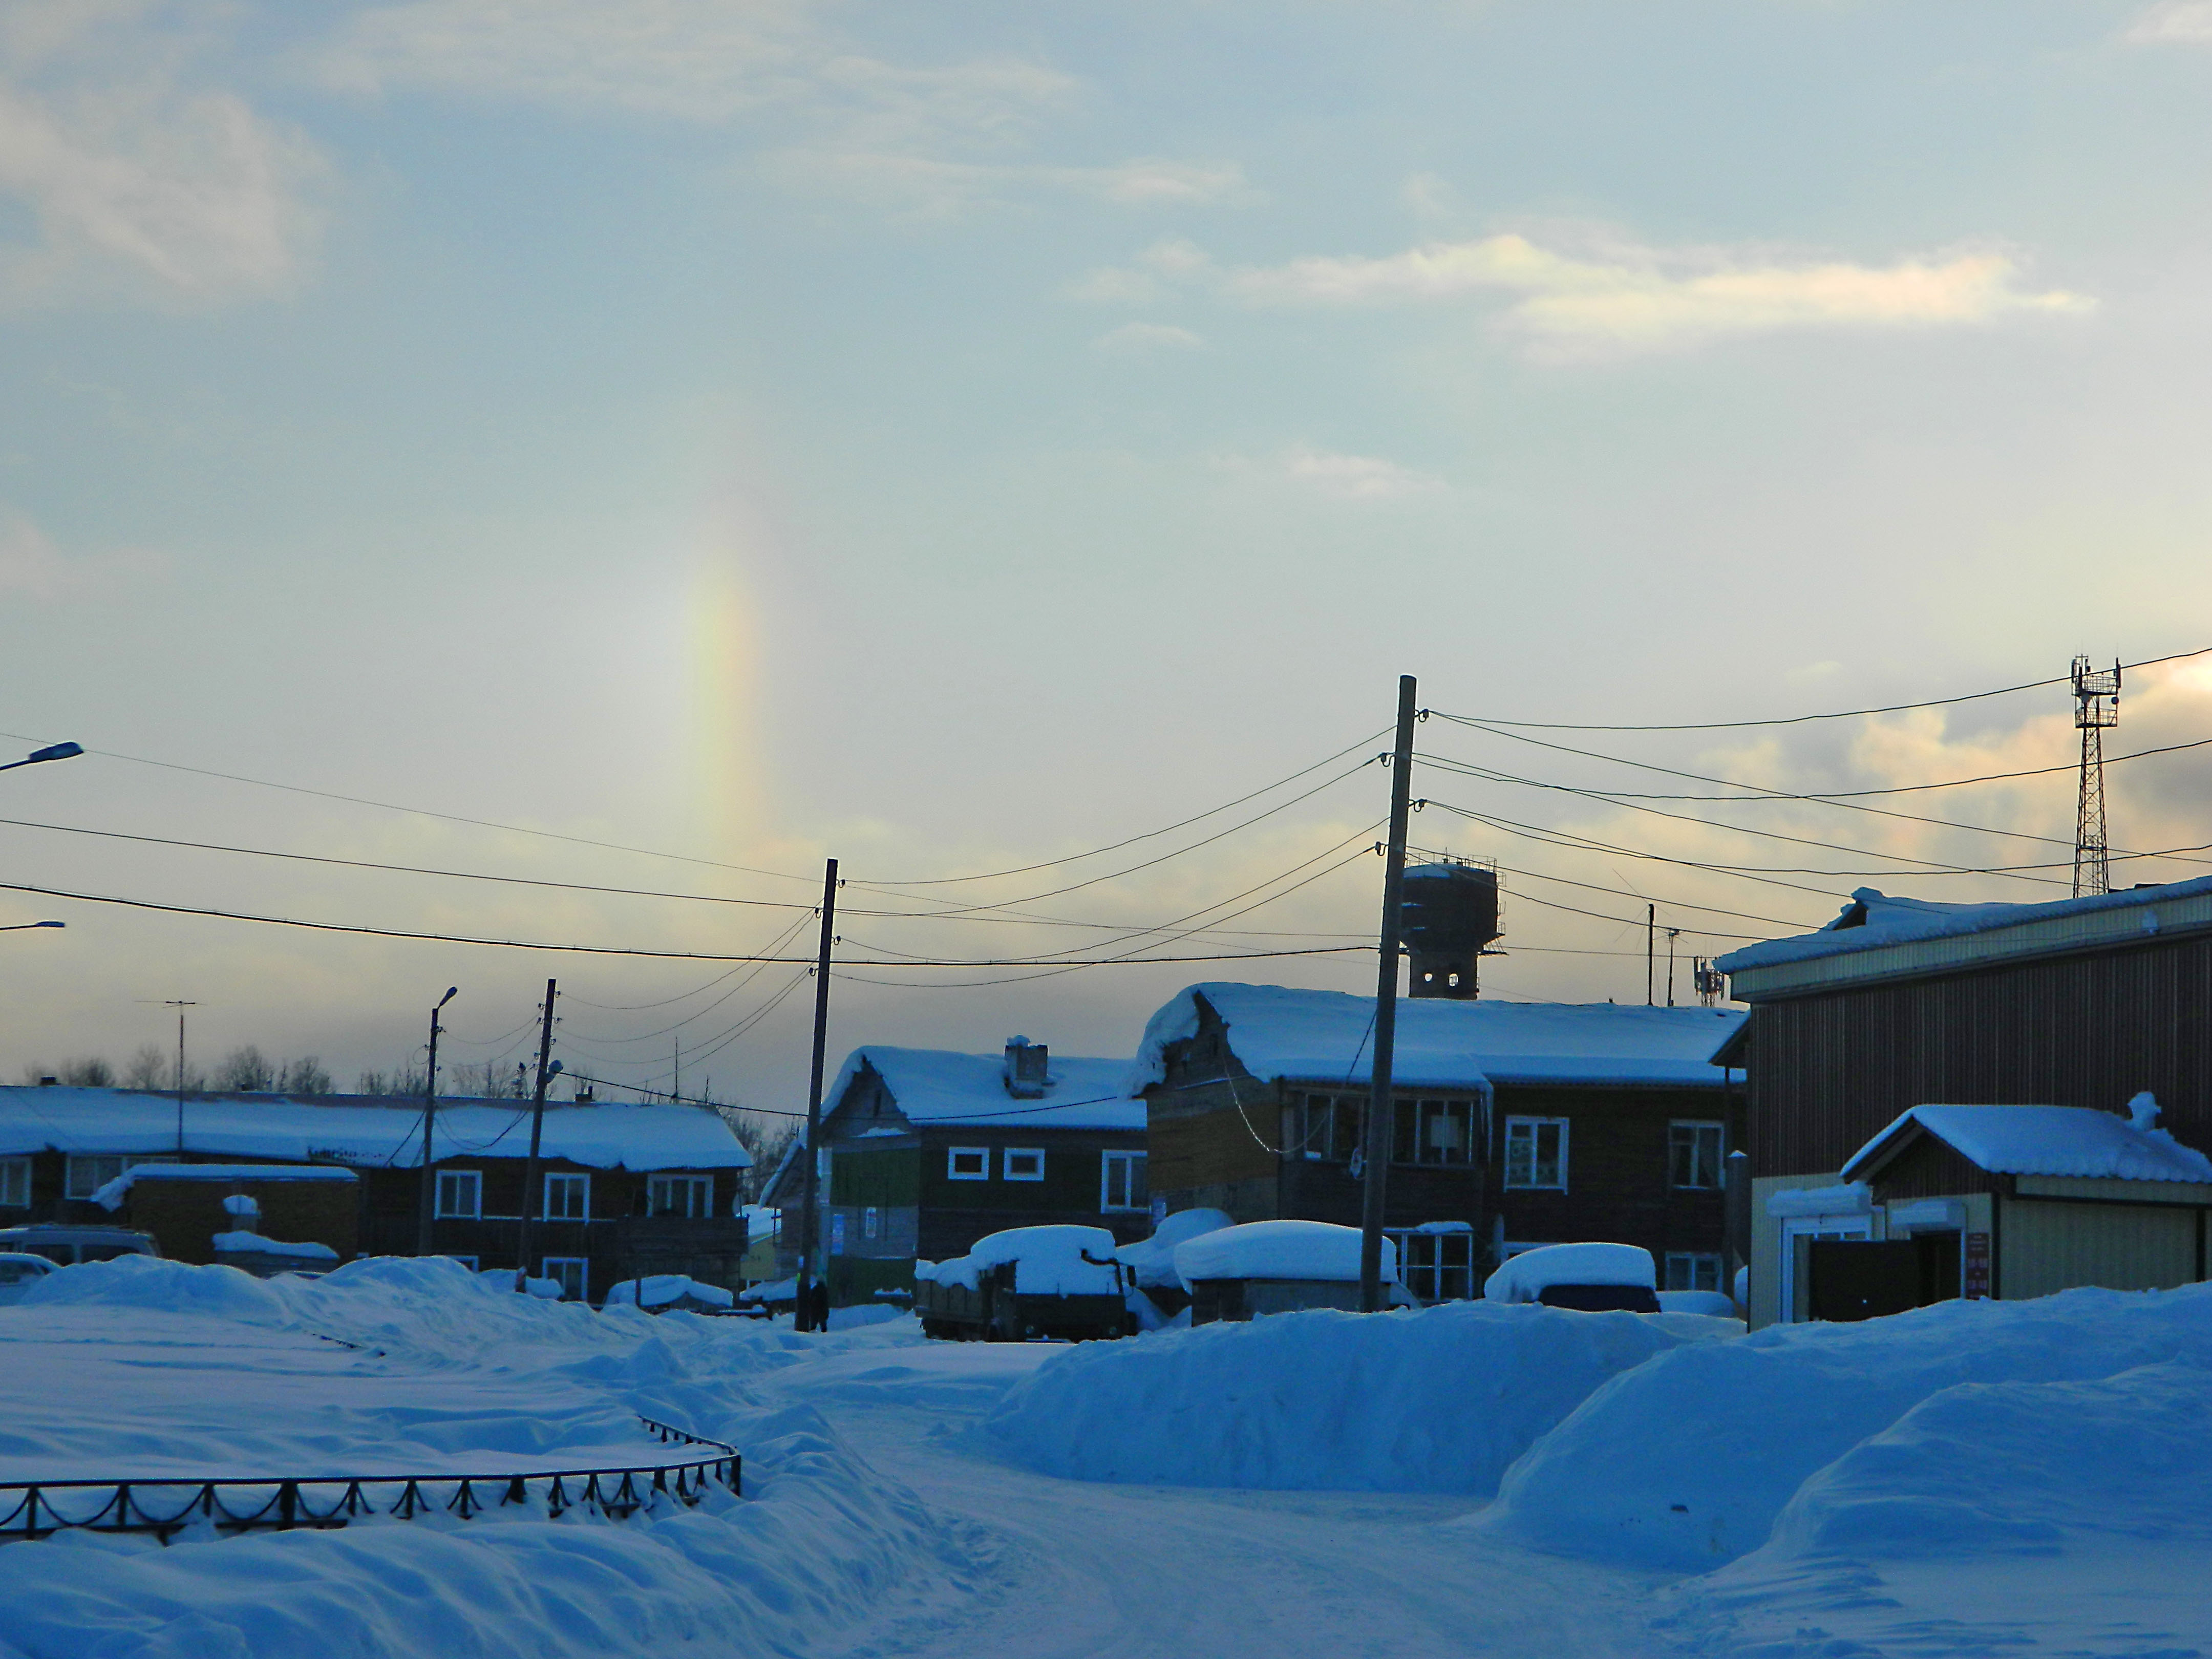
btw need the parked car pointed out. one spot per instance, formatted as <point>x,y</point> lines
<point>19,1272</point>
<point>66,1246</point>
<point>1589,1278</point>
<point>1060,1281</point>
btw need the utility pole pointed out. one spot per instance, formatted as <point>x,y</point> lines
<point>1673,933</point>
<point>1381,1113</point>
<point>429,1121</point>
<point>802,1305</point>
<point>181,1007</point>
<point>537,1133</point>
<point>1650,948</point>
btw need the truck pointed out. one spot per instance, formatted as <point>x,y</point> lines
<point>1058,1281</point>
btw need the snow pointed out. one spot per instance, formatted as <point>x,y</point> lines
<point>935,1085</point>
<point>242,1205</point>
<point>1713,1304</point>
<point>1047,1261</point>
<point>602,1135</point>
<point>2049,1141</point>
<point>1150,1261</point>
<point>1444,1398</point>
<point>1279,1250</point>
<point>658,1290</point>
<point>1852,1198</point>
<point>1326,1035</point>
<point>255,1244</point>
<point>1525,1277</point>
<point>110,1195</point>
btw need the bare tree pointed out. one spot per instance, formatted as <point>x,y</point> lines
<point>304,1076</point>
<point>147,1068</point>
<point>768,1141</point>
<point>35,1070</point>
<point>244,1069</point>
<point>90,1073</point>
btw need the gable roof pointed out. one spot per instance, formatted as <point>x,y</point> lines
<point>938,1087</point>
<point>1282,1033</point>
<point>369,1131</point>
<point>2038,1140</point>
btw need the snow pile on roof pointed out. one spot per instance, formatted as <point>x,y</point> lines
<point>1327,1036</point>
<point>100,1375</point>
<point>665,1290</point>
<point>1279,1249</point>
<point>1441,1400</point>
<point>110,1196</point>
<point>255,1244</point>
<point>1873,918</point>
<point>601,1136</point>
<point>935,1085</point>
<point>1047,1261</point>
<point>1689,1461</point>
<point>1150,1261</point>
<point>1525,1277</point>
<point>2048,1140</point>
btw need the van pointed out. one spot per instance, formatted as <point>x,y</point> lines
<point>66,1246</point>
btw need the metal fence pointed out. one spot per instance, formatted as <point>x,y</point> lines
<point>164,1507</point>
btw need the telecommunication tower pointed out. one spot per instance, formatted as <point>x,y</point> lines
<point>2096,706</point>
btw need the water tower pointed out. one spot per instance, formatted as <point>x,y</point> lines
<point>1448,915</point>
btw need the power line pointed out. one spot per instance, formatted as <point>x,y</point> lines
<point>1798,719</point>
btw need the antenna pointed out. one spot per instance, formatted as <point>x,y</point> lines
<point>2096,706</point>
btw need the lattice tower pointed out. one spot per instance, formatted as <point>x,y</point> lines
<point>2096,706</point>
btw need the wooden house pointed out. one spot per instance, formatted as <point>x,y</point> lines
<point>1514,1125</point>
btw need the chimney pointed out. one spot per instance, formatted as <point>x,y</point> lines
<point>1025,1069</point>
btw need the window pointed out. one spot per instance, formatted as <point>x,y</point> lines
<point>1693,1271</point>
<point>88,1175</point>
<point>1693,1155</point>
<point>460,1194</point>
<point>684,1195</point>
<point>1433,1131</point>
<point>1122,1183</point>
<point>1025,1163</point>
<point>574,1273</point>
<point>567,1198</point>
<point>1537,1152</point>
<point>1437,1264</point>
<point>14,1183</point>
<point>1323,1128</point>
<point>969,1164</point>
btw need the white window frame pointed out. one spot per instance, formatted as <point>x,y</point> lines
<point>570,1181</point>
<point>1425,1279</point>
<point>470,1179</point>
<point>1130,1163</point>
<point>547,1267</point>
<point>1698,1126</point>
<point>1688,1262</point>
<point>1534,1126</point>
<point>1009,1153</point>
<point>699,1201</point>
<point>83,1187</point>
<point>14,1183</point>
<point>980,1172</point>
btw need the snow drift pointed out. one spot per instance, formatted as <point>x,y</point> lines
<point>1441,1399</point>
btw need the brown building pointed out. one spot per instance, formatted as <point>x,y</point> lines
<point>623,1191</point>
<point>1514,1124</point>
<point>1899,1004</point>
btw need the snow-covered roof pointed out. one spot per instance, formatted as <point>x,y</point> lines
<point>1874,918</point>
<point>2046,1140</point>
<point>1316,1035</point>
<point>1279,1249</point>
<point>110,1195</point>
<point>366,1131</point>
<point>935,1085</point>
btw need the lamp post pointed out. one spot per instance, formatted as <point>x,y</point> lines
<point>429,1121</point>
<point>52,751</point>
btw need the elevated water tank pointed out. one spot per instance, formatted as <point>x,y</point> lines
<point>1447,913</point>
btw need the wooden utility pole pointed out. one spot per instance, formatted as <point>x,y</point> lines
<point>536,1133</point>
<point>428,1205</point>
<point>802,1305</point>
<point>180,1007</point>
<point>1381,1115</point>
<point>1650,948</point>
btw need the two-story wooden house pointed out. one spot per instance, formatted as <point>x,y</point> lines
<point>1514,1124</point>
<point>923,1152</point>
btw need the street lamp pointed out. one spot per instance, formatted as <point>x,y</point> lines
<point>430,1118</point>
<point>52,751</point>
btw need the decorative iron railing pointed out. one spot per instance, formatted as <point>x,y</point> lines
<point>166,1506</point>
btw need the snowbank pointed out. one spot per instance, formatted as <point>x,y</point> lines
<point>1279,1249</point>
<point>1441,1399</point>
<point>1150,1261</point>
<point>1687,1462</point>
<point>1047,1261</point>
<point>255,1244</point>
<point>1527,1276</point>
<point>659,1290</point>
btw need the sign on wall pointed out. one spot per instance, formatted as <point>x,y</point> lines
<point>1977,1286</point>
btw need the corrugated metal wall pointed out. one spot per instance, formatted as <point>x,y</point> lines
<point>2049,1246</point>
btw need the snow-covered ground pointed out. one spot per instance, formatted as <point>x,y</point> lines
<point>2012,1479</point>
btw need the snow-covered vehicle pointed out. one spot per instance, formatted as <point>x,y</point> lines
<point>1589,1278</point>
<point>1265,1267</point>
<point>68,1245</point>
<point>1060,1281</point>
<point>1150,1263</point>
<point>19,1272</point>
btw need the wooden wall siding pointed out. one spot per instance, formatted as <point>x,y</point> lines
<point>864,1175</point>
<point>1830,1069</point>
<point>184,1216</point>
<point>1929,1168</point>
<point>1200,1136</point>
<point>2122,1246</point>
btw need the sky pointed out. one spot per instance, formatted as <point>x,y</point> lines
<point>487,435</point>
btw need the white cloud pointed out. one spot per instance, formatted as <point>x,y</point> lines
<point>2186,21</point>
<point>1148,336</point>
<point>1359,477</point>
<point>31,566</point>
<point>134,180</point>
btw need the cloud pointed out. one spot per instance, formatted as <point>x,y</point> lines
<point>2188,23</point>
<point>32,567</point>
<point>1359,477</point>
<point>1149,337</point>
<point>134,180</point>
